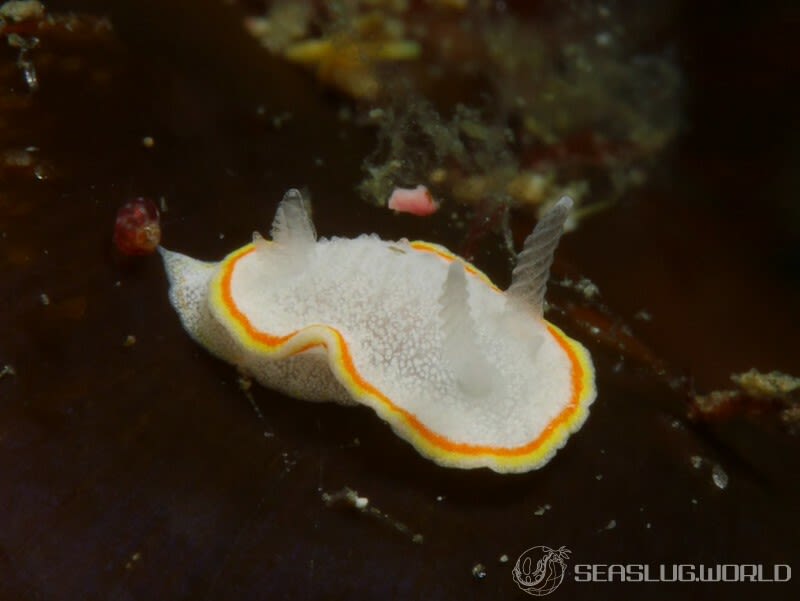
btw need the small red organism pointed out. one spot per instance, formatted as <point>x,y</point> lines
<point>417,201</point>
<point>137,230</point>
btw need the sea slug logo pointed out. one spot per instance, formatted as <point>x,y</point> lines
<point>540,570</point>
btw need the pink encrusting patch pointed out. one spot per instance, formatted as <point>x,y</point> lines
<point>416,201</point>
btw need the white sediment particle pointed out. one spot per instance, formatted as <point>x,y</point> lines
<point>135,557</point>
<point>503,558</point>
<point>611,525</point>
<point>697,461</point>
<point>719,477</point>
<point>604,38</point>
<point>542,509</point>
<point>350,498</point>
<point>44,299</point>
<point>7,370</point>
<point>479,571</point>
<point>587,287</point>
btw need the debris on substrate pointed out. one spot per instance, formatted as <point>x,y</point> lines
<point>479,571</point>
<point>756,393</point>
<point>21,10</point>
<point>575,107</point>
<point>718,474</point>
<point>7,370</point>
<point>347,497</point>
<point>41,47</point>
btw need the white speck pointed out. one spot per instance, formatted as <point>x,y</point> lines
<point>598,477</point>
<point>602,451</point>
<point>45,300</point>
<point>603,39</point>
<point>289,463</point>
<point>542,509</point>
<point>279,120</point>
<point>643,315</point>
<point>132,561</point>
<point>8,370</point>
<point>719,476</point>
<point>594,330</point>
<point>587,287</point>
<point>647,525</point>
<point>268,434</point>
<point>318,162</point>
<point>361,502</point>
<point>440,498</point>
<point>479,571</point>
<point>162,204</point>
<point>118,284</point>
<point>129,341</point>
<point>694,501</point>
<point>611,525</point>
<point>503,558</point>
<point>697,461</point>
<point>148,142</point>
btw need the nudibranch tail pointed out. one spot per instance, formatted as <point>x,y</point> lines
<point>461,350</point>
<point>529,278</point>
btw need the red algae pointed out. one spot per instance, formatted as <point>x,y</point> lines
<point>137,230</point>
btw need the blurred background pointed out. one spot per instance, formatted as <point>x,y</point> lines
<point>132,464</point>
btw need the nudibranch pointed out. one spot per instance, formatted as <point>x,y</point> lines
<point>470,375</point>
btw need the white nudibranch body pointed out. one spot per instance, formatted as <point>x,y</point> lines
<point>469,375</point>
